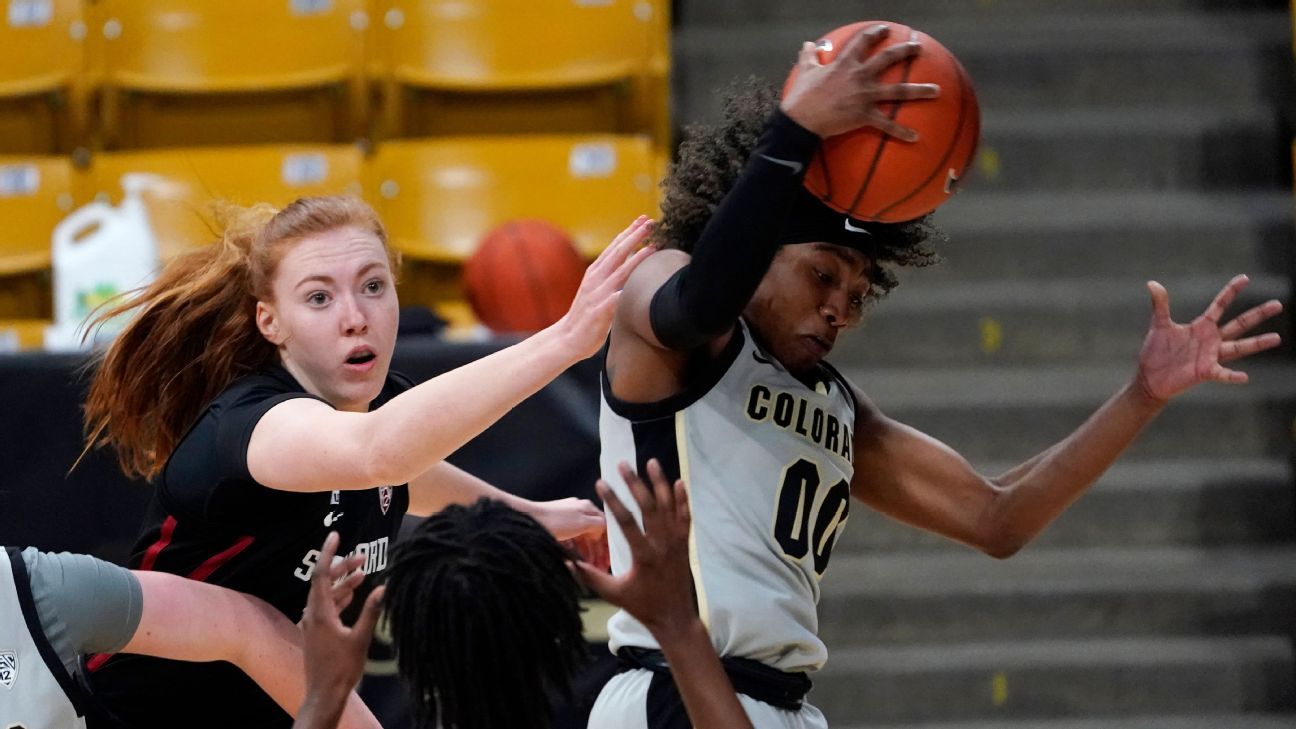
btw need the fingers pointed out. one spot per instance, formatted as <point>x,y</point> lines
<point>887,57</point>
<point>344,589</point>
<point>888,126</point>
<point>1215,311</point>
<point>1240,348</point>
<point>683,517</point>
<point>663,494</point>
<point>808,55</point>
<point>647,502</point>
<point>364,626</point>
<point>629,527</point>
<point>862,43</point>
<point>1250,318</point>
<point>1220,373</point>
<point>321,577</point>
<point>906,92</point>
<point>1160,304</point>
<point>604,585</point>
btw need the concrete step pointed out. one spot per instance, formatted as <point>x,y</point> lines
<point>1050,321</point>
<point>1178,501</point>
<point>1210,721</point>
<point>1050,678</point>
<point>1218,62</point>
<point>1134,234</point>
<point>720,11</point>
<point>1008,414</point>
<point>1132,148</point>
<point>913,598</point>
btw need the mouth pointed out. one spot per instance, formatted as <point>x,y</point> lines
<point>820,345</point>
<point>361,358</point>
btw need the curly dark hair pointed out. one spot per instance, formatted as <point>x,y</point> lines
<point>711,158</point>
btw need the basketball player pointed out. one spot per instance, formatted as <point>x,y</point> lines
<point>56,608</point>
<point>252,388</point>
<point>715,365</point>
<point>484,616</point>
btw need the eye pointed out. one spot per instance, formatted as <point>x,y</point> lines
<point>375,286</point>
<point>317,298</point>
<point>823,277</point>
<point>857,302</point>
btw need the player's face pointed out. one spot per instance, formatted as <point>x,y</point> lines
<point>811,292</point>
<point>334,315</point>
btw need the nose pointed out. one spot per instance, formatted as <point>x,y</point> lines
<point>354,322</point>
<point>834,309</point>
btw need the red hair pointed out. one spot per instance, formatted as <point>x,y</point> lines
<point>194,328</point>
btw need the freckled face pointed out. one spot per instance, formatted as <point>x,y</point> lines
<point>811,292</point>
<point>333,315</point>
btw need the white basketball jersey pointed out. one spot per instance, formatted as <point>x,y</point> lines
<point>36,691</point>
<point>767,461</point>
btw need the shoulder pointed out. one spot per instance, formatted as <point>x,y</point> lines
<point>653,272</point>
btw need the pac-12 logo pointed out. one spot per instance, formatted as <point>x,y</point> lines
<point>384,498</point>
<point>8,669</point>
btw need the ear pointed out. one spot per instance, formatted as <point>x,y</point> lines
<point>267,321</point>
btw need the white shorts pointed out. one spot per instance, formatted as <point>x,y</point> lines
<point>629,698</point>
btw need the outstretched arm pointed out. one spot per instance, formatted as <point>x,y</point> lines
<point>187,620</point>
<point>920,481</point>
<point>658,591</point>
<point>304,445</point>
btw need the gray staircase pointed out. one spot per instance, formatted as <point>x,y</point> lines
<point>1121,142</point>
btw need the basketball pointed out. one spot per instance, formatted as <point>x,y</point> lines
<point>523,276</point>
<point>872,176</point>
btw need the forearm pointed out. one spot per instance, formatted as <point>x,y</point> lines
<point>1032,495</point>
<point>420,427</point>
<point>708,695</point>
<point>738,243</point>
<point>445,484</point>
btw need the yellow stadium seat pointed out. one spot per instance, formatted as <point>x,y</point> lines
<point>22,334</point>
<point>439,196</point>
<point>507,66</point>
<point>43,85</point>
<point>193,72</point>
<point>190,181</point>
<point>35,194</point>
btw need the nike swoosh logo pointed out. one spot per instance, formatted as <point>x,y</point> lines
<point>333,518</point>
<point>794,166</point>
<point>853,229</point>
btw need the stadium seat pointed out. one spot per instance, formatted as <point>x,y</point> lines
<point>509,66</point>
<point>189,181</point>
<point>17,335</point>
<point>44,89</point>
<point>35,194</point>
<point>196,72</point>
<point>438,197</point>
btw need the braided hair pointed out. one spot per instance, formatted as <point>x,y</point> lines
<point>485,618</point>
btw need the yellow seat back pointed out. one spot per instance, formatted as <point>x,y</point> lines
<point>191,181</point>
<point>230,45</point>
<point>44,86</point>
<point>35,194</point>
<point>510,66</point>
<point>438,197</point>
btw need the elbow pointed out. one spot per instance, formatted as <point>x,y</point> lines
<point>1001,548</point>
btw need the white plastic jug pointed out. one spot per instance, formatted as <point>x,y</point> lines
<point>100,252</point>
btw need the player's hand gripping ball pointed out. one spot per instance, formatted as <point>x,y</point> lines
<point>872,176</point>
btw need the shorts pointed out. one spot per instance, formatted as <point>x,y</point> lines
<point>641,699</point>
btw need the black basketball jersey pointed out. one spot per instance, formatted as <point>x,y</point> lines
<point>209,520</point>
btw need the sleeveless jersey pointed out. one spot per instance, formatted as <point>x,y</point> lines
<point>36,691</point>
<point>767,461</point>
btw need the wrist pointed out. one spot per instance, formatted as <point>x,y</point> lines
<point>677,630</point>
<point>1141,392</point>
<point>320,713</point>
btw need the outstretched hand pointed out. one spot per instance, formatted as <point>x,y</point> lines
<point>1176,357</point>
<point>335,654</point>
<point>846,93</point>
<point>657,589</point>
<point>585,325</point>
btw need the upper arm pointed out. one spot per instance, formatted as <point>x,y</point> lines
<point>916,479</point>
<point>304,445</point>
<point>97,603</point>
<point>634,311</point>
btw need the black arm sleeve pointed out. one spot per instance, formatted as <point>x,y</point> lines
<point>704,299</point>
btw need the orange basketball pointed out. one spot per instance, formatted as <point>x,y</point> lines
<point>523,276</point>
<point>875,177</point>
